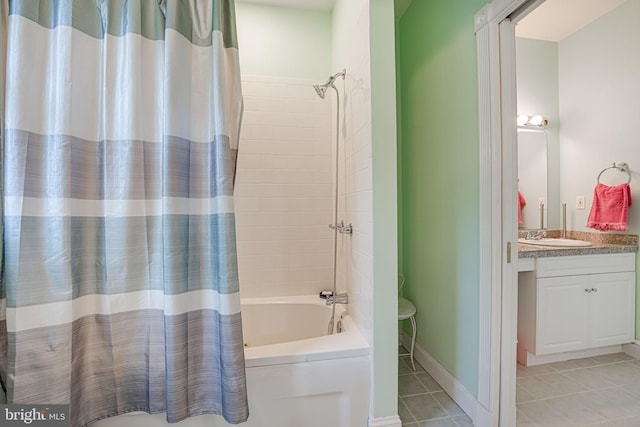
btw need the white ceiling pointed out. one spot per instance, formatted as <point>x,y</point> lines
<point>554,20</point>
<point>324,5</point>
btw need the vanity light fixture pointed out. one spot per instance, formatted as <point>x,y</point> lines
<point>535,122</point>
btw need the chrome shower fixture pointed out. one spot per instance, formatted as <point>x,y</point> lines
<point>322,89</point>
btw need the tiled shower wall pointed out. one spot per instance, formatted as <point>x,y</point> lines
<point>355,252</point>
<point>283,194</point>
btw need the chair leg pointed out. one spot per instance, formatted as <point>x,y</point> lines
<point>413,341</point>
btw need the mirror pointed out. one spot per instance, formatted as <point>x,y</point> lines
<point>537,91</point>
<point>532,178</point>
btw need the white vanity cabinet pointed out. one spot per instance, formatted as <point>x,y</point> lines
<point>575,303</point>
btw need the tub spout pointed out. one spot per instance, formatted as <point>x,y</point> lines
<point>341,298</point>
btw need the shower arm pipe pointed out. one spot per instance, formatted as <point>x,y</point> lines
<point>333,78</point>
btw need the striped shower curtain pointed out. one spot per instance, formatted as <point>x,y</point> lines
<point>119,279</point>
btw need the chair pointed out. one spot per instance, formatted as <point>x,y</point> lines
<point>406,310</point>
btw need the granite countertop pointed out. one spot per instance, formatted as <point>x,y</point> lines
<point>602,243</point>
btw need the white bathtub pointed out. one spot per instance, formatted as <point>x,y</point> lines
<point>296,374</point>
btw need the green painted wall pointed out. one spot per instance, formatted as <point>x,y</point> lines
<point>439,104</point>
<point>284,42</point>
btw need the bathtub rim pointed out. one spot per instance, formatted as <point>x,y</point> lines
<point>350,343</point>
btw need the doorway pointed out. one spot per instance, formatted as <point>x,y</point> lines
<point>495,30</point>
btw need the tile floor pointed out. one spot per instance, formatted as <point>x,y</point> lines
<point>421,401</point>
<point>601,391</point>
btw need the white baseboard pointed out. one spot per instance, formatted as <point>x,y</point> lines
<point>483,417</point>
<point>632,349</point>
<point>454,388</point>
<point>529,359</point>
<point>393,421</point>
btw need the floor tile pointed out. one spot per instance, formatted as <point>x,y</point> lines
<point>635,362</point>
<point>428,381</point>
<point>462,421</point>
<point>543,413</point>
<point>523,421</point>
<point>612,403</point>
<point>550,385</point>
<point>406,360</point>
<point>615,357</point>
<point>444,422</point>
<point>523,395</point>
<point>565,365</point>
<point>447,403</point>
<point>599,391</point>
<point>634,389</point>
<point>591,379</point>
<point>579,408</point>
<point>423,403</point>
<point>419,368</point>
<point>622,422</point>
<point>587,362</point>
<point>405,415</point>
<point>403,369</point>
<point>524,371</point>
<point>409,384</point>
<point>424,407</point>
<point>619,373</point>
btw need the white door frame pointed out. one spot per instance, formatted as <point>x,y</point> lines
<point>495,36</point>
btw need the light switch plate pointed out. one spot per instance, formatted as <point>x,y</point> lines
<point>580,202</point>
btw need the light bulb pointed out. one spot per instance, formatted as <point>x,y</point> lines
<point>537,120</point>
<point>522,119</point>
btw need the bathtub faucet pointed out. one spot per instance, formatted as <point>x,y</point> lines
<point>341,298</point>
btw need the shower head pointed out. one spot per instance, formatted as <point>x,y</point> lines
<point>322,89</point>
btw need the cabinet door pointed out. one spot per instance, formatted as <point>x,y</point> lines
<point>612,308</point>
<point>562,315</point>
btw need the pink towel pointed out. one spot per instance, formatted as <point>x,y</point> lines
<point>610,207</point>
<point>521,203</point>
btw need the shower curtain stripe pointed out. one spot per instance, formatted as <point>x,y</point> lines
<point>120,289</point>
<point>137,115</point>
<point>63,312</point>
<point>114,17</point>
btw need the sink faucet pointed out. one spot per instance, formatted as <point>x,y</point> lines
<point>341,298</point>
<point>535,235</point>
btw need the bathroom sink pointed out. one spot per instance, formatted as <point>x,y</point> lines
<point>555,242</point>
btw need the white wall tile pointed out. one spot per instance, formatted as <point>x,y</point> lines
<point>283,195</point>
<point>276,176</point>
<point>356,205</point>
<point>258,103</point>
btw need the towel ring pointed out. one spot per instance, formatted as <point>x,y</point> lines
<point>622,167</point>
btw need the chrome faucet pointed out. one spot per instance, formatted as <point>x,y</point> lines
<point>535,235</point>
<point>564,220</point>
<point>342,229</point>
<point>341,298</point>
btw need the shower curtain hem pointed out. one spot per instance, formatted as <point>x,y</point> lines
<point>162,411</point>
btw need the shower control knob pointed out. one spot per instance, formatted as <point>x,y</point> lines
<point>346,229</point>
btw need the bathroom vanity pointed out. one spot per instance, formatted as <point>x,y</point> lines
<point>575,302</point>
